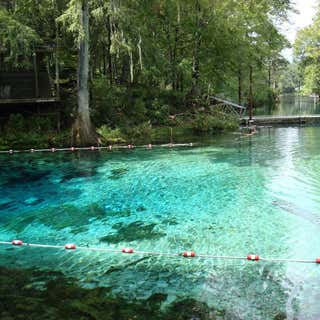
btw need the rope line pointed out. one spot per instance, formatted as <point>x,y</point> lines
<point>98,148</point>
<point>185,254</point>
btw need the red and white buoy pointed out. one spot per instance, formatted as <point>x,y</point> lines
<point>70,246</point>
<point>92,148</point>
<point>17,242</point>
<point>317,261</point>
<point>149,146</point>
<point>189,254</point>
<point>53,149</point>
<point>72,149</point>
<point>253,257</point>
<point>127,250</point>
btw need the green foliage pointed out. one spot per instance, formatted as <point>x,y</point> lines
<point>109,135</point>
<point>264,97</point>
<point>307,56</point>
<point>158,112</point>
<point>214,122</point>
<point>141,132</point>
<point>150,59</point>
<point>291,79</point>
<point>24,133</point>
<point>18,39</point>
<point>38,124</point>
<point>16,123</point>
<point>120,106</point>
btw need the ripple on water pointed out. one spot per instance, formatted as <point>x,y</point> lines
<point>232,197</point>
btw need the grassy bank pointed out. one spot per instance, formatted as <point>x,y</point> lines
<point>37,132</point>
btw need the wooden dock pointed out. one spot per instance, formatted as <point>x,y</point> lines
<point>28,101</point>
<point>282,120</point>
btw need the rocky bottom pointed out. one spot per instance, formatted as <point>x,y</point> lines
<point>30,294</point>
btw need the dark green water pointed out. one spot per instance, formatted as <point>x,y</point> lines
<point>291,105</point>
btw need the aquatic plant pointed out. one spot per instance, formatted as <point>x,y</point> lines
<point>38,295</point>
<point>137,230</point>
<point>59,217</point>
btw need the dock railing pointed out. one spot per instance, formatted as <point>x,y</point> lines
<point>227,106</point>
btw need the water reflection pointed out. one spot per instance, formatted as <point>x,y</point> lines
<point>291,105</point>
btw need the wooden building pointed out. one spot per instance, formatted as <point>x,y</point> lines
<point>37,82</point>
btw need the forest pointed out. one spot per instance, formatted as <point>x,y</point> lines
<point>159,159</point>
<point>125,66</point>
<point>303,74</point>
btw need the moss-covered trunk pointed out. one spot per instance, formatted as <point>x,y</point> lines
<point>83,132</point>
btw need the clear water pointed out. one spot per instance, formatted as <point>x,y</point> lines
<point>291,105</point>
<point>233,196</point>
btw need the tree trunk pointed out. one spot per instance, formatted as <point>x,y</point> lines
<point>83,131</point>
<point>195,91</point>
<point>175,80</point>
<point>240,87</point>
<point>269,76</point>
<point>109,55</point>
<point>250,92</point>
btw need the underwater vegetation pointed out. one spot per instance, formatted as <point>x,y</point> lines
<point>59,217</point>
<point>39,295</point>
<point>137,230</point>
<point>118,173</point>
<point>69,216</point>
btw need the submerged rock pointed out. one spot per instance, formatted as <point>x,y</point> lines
<point>141,208</point>
<point>122,266</point>
<point>188,309</point>
<point>78,174</point>
<point>25,176</point>
<point>170,222</point>
<point>280,316</point>
<point>134,231</point>
<point>59,217</point>
<point>21,297</point>
<point>119,213</point>
<point>118,173</point>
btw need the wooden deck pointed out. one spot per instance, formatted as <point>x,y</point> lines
<point>28,101</point>
<point>282,120</point>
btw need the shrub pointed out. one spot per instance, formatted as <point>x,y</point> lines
<point>16,123</point>
<point>141,132</point>
<point>109,135</point>
<point>214,122</point>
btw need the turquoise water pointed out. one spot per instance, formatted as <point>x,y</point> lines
<point>233,195</point>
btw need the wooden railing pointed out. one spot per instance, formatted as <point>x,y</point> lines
<point>227,106</point>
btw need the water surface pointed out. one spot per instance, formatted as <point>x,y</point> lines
<point>292,105</point>
<point>235,195</point>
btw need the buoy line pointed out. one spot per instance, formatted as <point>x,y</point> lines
<point>97,148</point>
<point>185,254</point>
